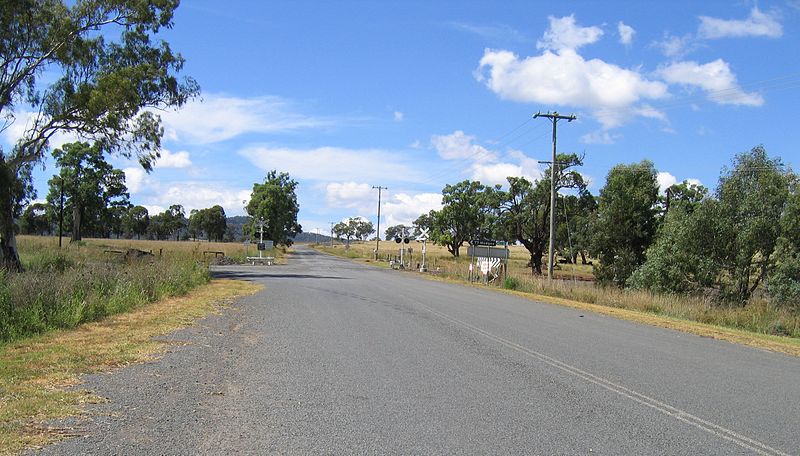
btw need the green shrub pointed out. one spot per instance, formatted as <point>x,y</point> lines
<point>511,283</point>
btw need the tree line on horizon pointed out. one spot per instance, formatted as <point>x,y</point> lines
<point>730,244</point>
<point>90,199</point>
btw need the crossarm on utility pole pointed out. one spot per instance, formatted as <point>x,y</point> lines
<point>554,118</point>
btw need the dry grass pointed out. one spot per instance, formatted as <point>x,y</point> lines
<point>35,372</point>
<point>236,250</point>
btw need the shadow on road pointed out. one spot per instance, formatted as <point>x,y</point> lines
<point>245,275</point>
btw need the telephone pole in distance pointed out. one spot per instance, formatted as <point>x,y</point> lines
<point>554,118</point>
<point>378,236</point>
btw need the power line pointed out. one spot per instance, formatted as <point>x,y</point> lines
<point>554,118</point>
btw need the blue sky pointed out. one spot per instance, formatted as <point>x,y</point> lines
<point>414,95</point>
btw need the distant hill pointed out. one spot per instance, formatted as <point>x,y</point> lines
<point>235,233</point>
<point>310,238</point>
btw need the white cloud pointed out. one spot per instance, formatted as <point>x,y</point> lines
<point>22,121</point>
<point>626,33</point>
<point>459,146</point>
<point>134,179</point>
<point>716,78</point>
<point>757,24</point>
<point>495,173</point>
<point>332,163</point>
<point>200,195</point>
<point>219,118</point>
<point>153,209</point>
<point>676,46</point>
<point>599,137</point>
<point>665,181</point>
<point>567,79</point>
<point>349,195</point>
<point>397,208</point>
<point>173,160</point>
<point>398,116</point>
<point>404,208</point>
<point>564,34</point>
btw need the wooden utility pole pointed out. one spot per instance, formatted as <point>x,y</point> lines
<point>378,236</point>
<point>554,118</point>
<point>61,212</point>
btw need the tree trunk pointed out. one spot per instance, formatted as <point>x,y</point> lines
<point>536,263</point>
<point>76,221</point>
<point>583,257</point>
<point>9,257</point>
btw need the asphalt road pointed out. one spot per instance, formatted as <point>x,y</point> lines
<point>338,358</point>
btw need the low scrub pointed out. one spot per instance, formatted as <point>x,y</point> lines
<point>62,289</point>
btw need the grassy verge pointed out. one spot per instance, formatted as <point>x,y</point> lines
<point>34,373</point>
<point>757,324</point>
<point>65,288</point>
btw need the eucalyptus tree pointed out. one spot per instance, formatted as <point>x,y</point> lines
<point>626,221</point>
<point>466,213</point>
<point>274,202</point>
<point>91,188</point>
<point>524,209</point>
<point>86,67</point>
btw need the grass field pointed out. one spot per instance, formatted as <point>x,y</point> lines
<point>574,283</point>
<point>88,280</point>
<point>30,246</point>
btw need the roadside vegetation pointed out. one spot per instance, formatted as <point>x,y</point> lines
<point>38,375</point>
<point>95,278</point>
<point>730,258</point>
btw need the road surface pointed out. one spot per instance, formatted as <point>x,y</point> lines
<point>338,358</point>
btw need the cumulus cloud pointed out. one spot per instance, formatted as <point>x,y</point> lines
<point>333,163</point>
<point>495,173</point>
<point>459,146</point>
<point>200,195</point>
<point>715,78</point>
<point>666,180</point>
<point>626,33</point>
<point>564,34</point>
<point>757,24</point>
<point>482,164</point>
<point>404,208</point>
<point>134,179</point>
<point>218,118</point>
<point>153,209</point>
<point>348,195</point>
<point>173,160</point>
<point>566,79</point>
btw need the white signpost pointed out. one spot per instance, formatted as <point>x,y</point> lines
<point>424,238</point>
